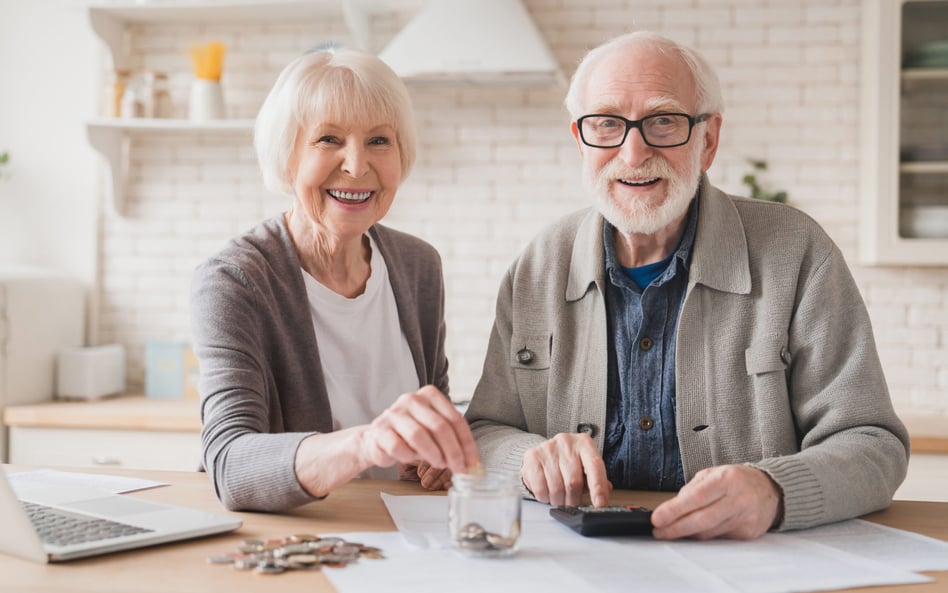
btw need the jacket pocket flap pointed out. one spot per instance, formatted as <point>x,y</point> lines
<point>530,351</point>
<point>766,358</point>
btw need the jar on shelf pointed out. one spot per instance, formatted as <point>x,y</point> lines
<point>484,513</point>
<point>116,82</point>
<point>155,97</point>
<point>131,105</point>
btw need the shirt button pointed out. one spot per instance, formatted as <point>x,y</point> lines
<point>524,356</point>
<point>646,343</point>
<point>589,429</point>
<point>646,423</point>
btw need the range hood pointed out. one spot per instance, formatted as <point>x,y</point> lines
<point>472,41</point>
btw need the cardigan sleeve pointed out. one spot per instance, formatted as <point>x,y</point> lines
<point>251,467</point>
<point>853,448</point>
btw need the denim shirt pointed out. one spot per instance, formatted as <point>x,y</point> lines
<point>641,441</point>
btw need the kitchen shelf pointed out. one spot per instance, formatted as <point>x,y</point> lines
<point>111,138</point>
<point>889,28</point>
<point>111,20</point>
<point>924,167</point>
<point>925,74</point>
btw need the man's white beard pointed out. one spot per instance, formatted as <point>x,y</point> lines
<point>638,217</point>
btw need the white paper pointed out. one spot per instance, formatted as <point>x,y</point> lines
<point>409,569</point>
<point>771,564</point>
<point>777,563</point>
<point>881,544</point>
<point>50,478</point>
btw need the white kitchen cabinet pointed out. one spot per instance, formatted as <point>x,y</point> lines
<point>110,21</point>
<point>129,431</point>
<point>904,215</point>
<point>79,447</point>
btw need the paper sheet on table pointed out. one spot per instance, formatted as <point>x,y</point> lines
<point>410,569</point>
<point>50,478</point>
<point>768,565</point>
<point>882,544</point>
<point>599,563</point>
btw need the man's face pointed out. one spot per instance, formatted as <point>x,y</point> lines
<point>639,188</point>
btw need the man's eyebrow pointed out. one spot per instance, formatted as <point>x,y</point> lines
<point>654,105</point>
<point>663,104</point>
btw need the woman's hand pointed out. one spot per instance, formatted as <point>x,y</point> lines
<point>431,478</point>
<point>421,427</point>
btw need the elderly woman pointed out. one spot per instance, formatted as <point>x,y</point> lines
<point>320,333</point>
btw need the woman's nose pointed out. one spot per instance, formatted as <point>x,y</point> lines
<point>354,161</point>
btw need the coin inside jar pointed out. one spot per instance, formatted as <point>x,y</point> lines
<point>484,514</point>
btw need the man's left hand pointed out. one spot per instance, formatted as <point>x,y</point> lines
<point>728,501</point>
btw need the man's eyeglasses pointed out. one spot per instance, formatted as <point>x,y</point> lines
<point>661,130</point>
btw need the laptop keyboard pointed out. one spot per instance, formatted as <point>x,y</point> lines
<point>61,528</point>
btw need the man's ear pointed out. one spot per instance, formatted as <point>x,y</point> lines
<point>574,130</point>
<point>712,133</point>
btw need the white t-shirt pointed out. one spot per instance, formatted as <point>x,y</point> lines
<point>365,356</point>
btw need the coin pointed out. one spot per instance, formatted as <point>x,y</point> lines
<point>476,470</point>
<point>295,552</point>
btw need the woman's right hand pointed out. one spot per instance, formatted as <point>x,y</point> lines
<point>421,426</point>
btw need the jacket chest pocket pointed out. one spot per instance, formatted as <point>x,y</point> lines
<point>530,352</point>
<point>767,357</point>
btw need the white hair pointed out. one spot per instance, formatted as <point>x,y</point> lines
<point>707,86</point>
<point>340,85</point>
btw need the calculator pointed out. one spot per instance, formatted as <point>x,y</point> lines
<point>608,520</point>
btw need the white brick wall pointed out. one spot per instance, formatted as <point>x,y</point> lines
<point>495,165</point>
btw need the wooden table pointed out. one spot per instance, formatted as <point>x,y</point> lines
<point>182,567</point>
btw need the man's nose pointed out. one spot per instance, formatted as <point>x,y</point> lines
<point>634,151</point>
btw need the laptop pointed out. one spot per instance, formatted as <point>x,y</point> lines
<point>59,524</point>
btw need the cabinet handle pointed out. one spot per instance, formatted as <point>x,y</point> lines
<point>106,460</point>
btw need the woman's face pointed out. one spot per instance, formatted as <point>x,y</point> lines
<point>345,176</point>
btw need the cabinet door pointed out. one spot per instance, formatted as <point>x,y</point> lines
<point>904,219</point>
<point>114,448</point>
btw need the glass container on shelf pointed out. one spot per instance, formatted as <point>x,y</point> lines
<point>116,82</point>
<point>155,96</point>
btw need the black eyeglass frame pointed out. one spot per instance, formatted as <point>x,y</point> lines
<point>637,123</point>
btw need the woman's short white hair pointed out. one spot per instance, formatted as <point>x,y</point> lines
<point>707,86</point>
<point>342,86</point>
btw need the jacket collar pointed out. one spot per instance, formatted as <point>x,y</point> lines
<point>719,257</point>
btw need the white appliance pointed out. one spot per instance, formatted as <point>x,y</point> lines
<point>41,312</point>
<point>472,41</point>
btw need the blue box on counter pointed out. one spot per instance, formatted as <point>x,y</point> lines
<point>170,370</point>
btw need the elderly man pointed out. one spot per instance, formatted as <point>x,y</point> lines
<point>678,338</point>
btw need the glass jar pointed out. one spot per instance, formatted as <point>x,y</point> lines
<point>156,100</point>
<point>113,92</point>
<point>484,513</point>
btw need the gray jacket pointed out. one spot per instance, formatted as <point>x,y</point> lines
<point>776,363</point>
<point>261,381</point>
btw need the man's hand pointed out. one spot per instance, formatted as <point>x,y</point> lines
<point>729,501</point>
<point>557,470</point>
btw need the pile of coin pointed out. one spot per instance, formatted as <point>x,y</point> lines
<point>475,538</point>
<point>295,552</point>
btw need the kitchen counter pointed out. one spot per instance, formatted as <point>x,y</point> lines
<point>126,412</point>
